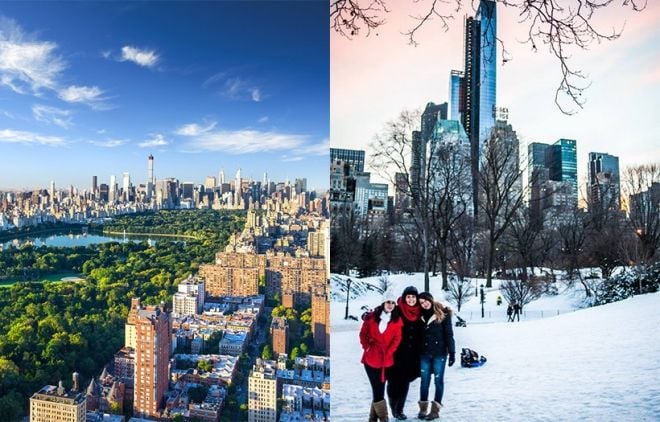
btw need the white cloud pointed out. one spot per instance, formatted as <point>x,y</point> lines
<point>110,143</point>
<point>146,58</point>
<point>10,136</point>
<point>256,95</point>
<point>245,141</point>
<point>263,119</point>
<point>157,140</point>
<point>194,129</point>
<point>88,95</point>
<point>25,63</point>
<point>321,148</point>
<point>235,87</point>
<point>52,115</point>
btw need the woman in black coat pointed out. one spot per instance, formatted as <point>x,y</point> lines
<point>437,346</point>
<point>406,356</point>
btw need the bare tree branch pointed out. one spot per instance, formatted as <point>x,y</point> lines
<point>564,26</point>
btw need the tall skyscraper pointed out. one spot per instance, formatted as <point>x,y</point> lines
<point>152,331</point>
<point>51,191</point>
<point>222,176</point>
<point>150,167</point>
<point>456,95</point>
<point>126,185</point>
<point>487,16</point>
<point>112,194</point>
<point>478,86</point>
<point>561,160</point>
<point>604,182</point>
<point>432,113</point>
<point>94,186</point>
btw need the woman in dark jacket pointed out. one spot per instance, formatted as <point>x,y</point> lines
<point>406,357</point>
<point>437,343</point>
<point>380,336</point>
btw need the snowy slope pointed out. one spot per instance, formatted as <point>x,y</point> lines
<point>600,364</point>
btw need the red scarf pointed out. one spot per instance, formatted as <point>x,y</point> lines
<point>410,313</point>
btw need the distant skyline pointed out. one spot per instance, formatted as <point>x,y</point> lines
<point>92,88</point>
<point>374,78</point>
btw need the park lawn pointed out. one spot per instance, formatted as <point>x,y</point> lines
<point>49,277</point>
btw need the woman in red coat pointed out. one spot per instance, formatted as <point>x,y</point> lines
<point>380,336</point>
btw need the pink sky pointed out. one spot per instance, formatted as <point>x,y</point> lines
<point>373,78</point>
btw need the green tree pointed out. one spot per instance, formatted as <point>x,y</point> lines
<point>266,352</point>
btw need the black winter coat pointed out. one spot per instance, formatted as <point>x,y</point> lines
<point>406,356</point>
<point>437,337</point>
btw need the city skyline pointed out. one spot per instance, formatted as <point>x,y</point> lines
<point>94,88</point>
<point>616,119</point>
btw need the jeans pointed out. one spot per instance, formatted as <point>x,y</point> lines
<point>436,365</point>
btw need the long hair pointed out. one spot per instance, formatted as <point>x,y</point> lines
<point>378,310</point>
<point>441,312</point>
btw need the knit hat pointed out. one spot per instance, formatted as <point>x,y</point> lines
<point>389,295</point>
<point>426,296</point>
<point>410,290</point>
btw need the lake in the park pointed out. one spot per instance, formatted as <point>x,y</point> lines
<point>83,239</point>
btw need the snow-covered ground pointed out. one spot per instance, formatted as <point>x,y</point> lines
<point>596,364</point>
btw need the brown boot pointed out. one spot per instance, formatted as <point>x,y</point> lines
<point>423,408</point>
<point>373,417</point>
<point>381,410</point>
<point>435,411</point>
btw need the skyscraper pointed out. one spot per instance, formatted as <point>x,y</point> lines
<point>152,330</point>
<point>604,182</point>
<point>456,95</point>
<point>150,175</point>
<point>112,194</point>
<point>354,158</point>
<point>94,186</point>
<point>478,85</point>
<point>561,160</point>
<point>486,14</point>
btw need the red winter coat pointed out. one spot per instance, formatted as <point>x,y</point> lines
<point>379,348</point>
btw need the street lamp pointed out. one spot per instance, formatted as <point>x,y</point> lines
<point>348,295</point>
<point>483,299</point>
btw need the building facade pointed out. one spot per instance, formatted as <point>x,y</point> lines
<point>262,392</point>
<point>152,352</point>
<point>279,330</point>
<point>53,403</point>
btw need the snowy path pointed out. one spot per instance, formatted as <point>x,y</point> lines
<point>596,364</point>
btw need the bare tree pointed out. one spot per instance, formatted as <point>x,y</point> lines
<point>642,186</point>
<point>345,240</point>
<point>393,149</point>
<point>521,292</point>
<point>452,190</point>
<point>459,290</point>
<point>501,190</point>
<point>573,235</point>
<point>564,26</point>
<point>527,242</point>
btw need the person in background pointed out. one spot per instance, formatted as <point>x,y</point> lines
<point>509,313</point>
<point>406,356</point>
<point>437,349</point>
<point>516,311</point>
<point>380,336</point>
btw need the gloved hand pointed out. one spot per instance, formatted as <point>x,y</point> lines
<point>452,359</point>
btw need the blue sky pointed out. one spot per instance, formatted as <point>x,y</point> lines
<point>93,88</point>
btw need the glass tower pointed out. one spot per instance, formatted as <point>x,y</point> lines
<point>455,95</point>
<point>487,15</point>
<point>604,182</point>
<point>561,159</point>
<point>355,158</point>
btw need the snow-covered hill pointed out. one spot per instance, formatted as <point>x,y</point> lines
<point>599,364</point>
